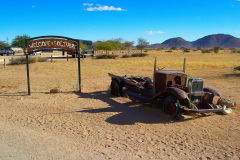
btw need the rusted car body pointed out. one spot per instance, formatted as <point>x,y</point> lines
<point>171,89</point>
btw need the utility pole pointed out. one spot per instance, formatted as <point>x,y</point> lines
<point>7,40</point>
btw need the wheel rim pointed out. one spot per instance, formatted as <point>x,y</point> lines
<point>170,107</point>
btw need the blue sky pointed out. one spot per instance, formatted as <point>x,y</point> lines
<point>154,20</point>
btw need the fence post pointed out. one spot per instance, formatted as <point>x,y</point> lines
<point>184,65</point>
<point>28,79</point>
<point>51,58</point>
<point>4,63</point>
<point>79,67</point>
<point>67,57</point>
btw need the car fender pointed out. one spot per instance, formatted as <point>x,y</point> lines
<point>178,93</point>
<point>211,90</point>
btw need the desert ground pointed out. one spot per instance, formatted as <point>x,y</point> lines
<point>95,125</point>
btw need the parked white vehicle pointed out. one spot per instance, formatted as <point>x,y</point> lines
<point>37,53</point>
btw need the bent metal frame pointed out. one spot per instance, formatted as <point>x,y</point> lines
<point>52,43</point>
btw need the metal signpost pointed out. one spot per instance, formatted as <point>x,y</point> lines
<point>58,43</point>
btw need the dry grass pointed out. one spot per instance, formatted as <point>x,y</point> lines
<point>106,127</point>
<point>94,71</point>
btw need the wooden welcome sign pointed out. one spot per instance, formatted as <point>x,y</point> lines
<point>52,43</point>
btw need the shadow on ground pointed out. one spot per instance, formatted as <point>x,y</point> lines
<point>231,75</point>
<point>128,113</point>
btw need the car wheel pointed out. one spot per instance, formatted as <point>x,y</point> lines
<point>115,88</point>
<point>171,106</point>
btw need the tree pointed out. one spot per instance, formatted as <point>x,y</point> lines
<point>83,46</point>
<point>216,49</point>
<point>116,43</point>
<point>173,48</point>
<point>128,44</point>
<point>142,43</point>
<point>103,45</point>
<point>19,41</point>
<point>3,44</point>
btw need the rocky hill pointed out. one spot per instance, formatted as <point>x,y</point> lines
<point>223,40</point>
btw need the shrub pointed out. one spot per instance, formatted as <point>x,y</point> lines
<point>106,56</point>
<point>205,50</point>
<point>139,55</point>
<point>237,68</point>
<point>169,51</point>
<point>21,60</point>
<point>173,48</point>
<point>126,56</point>
<point>42,59</point>
<point>216,49</point>
<point>186,50</point>
<point>235,50</point>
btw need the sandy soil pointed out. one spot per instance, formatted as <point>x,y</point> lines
<point>94,125</point>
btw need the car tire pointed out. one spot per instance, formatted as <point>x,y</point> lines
<point>115,88</point>
<point>171,107</point>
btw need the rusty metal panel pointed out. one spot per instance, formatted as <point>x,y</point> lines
<point>165,79</point>
<point>52,43</point>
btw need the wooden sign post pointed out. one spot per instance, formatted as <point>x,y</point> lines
<point>59,43</point>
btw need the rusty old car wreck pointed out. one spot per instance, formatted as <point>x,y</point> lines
<point>172,90</point>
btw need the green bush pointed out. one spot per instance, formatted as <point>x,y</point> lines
<point>21,60</point>
<point>106,56</point>
<point>126,56</point>
<point>186,50</point>
<point>216,49</point>
<point>42,59</point>
<point>139,54</point>
<point>235,50</point>
<point>237,68</point>
<point>206,51</point>
<point>169,51</point>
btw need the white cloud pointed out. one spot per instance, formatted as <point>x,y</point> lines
<point>99,7</point>
<point>88,4</point>
<point>154,32</point>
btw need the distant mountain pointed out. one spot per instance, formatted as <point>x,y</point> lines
<point>176,42</point>
<point>223,40</point>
